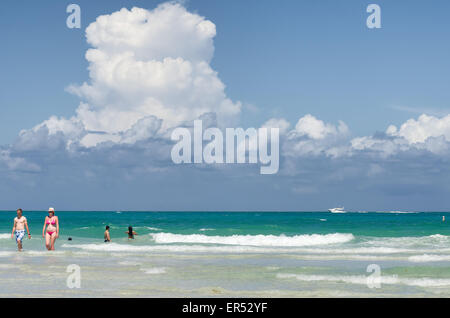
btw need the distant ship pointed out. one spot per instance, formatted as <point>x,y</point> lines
<point>337,210</point>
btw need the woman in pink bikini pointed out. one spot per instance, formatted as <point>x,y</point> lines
<point>52,224</point>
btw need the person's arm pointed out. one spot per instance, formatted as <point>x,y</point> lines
<point>134,233</point>
<point>108,237</point>
<point>57,227</point>
<point>14,228</point>
<point>28,230</point>
<point>43,229</point>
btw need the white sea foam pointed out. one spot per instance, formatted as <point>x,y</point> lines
<point>348,253</point>
<point>154,270</point>
<point>303,245</point>
<point>428,258</point>
<point>152,228</point>
<point>5,254</point>
<point>255,240</point>
<point>202,230</point>
<point>426,282</point>
<point>129,263</point>
<point>360,279</point>
<point>438,236</point>
<point>114,247</point>
<point>357,257</point>
<point>398,212</point>
<point>351,279</point>
<point>359,250</point>
<point>4,236</point>
<point>430,242</point>
<point>45,253</point>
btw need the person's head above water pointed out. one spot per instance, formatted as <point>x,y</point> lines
<point>51,212</point>
<point>107,227</point>
<point>130,232</point>
<point>19,212</point>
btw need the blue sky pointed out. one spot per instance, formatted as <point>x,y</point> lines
<point>287,58</point>
<point>280,59</point>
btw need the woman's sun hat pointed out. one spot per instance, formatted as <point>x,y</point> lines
<point>51,210</point>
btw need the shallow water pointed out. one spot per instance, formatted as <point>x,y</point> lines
<point>225,254</point>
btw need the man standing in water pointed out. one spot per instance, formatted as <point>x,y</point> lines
<point>20,224</point>
<point>106,235</point>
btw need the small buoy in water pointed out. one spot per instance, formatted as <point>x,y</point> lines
<point>69,239</point>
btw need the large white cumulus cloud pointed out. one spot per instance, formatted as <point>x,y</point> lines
<point>314,128</point>
<point>416,131</point>
<point>168,31</point>
<point>149,71</point>
<point>426,133</point>
<point>422,141</point>
<point>311,137</point>
<point>314,137</point>
<point>146,67</point>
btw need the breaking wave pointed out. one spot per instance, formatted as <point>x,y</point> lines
<point>255,240</point>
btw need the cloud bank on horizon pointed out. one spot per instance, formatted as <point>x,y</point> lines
<point>150,71</point>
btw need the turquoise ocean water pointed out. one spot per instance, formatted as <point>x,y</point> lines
<point>232,254</point>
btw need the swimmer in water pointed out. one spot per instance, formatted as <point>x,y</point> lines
<point>106,235</point>
<point>131,233</point>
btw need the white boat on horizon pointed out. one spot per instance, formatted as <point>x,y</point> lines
<point>337,210</point>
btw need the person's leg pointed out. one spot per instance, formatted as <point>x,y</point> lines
<point>47,241</point>
<point>19,245</point>
<point>53,239</point>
